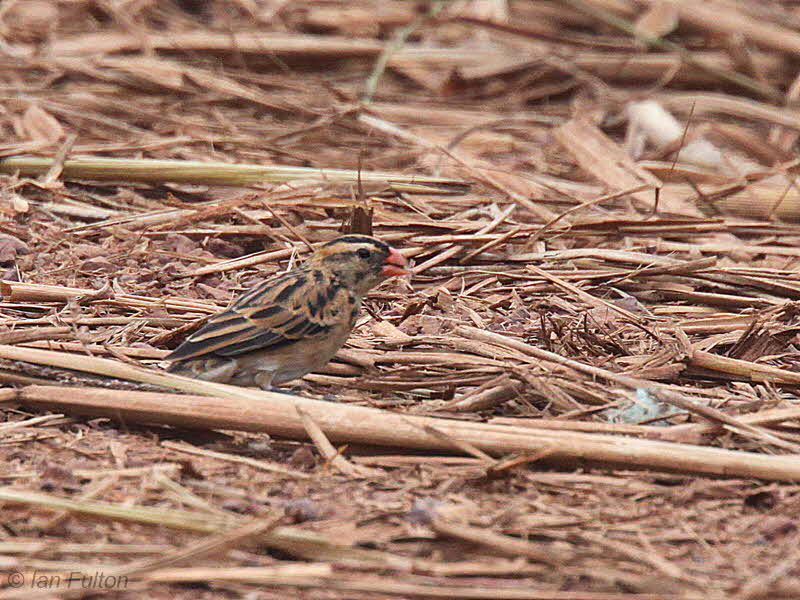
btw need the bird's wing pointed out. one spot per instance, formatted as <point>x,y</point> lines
<point>296,305</point>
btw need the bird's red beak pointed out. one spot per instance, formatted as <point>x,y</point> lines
<point>395,264</point>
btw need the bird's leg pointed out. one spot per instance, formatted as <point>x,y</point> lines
<point>297,390</point>
<point>263,379</point>
<point>220,371</point>
<point>291,391</point>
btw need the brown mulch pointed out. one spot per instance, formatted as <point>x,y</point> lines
<point>629,205</point>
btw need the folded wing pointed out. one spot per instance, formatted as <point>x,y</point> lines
<point>282,310</point>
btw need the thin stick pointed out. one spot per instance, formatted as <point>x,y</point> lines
<point>738,79</point>
<point>633,383</point>
<point>244,460</point>
<point>274,413</point>
<point>330,453</point>
<point>214,173</point>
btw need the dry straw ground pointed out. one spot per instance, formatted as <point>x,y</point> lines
<point>587,390</point>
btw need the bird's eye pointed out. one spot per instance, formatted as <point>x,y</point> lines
<point>363,253</point>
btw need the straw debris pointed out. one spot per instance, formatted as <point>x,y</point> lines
<point>587,390</point>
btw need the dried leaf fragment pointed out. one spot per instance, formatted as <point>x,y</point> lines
<point>39,125</point>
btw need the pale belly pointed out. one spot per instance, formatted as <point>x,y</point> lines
<point>274,367</point>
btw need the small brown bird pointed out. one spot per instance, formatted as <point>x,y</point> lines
<point>293,322</point>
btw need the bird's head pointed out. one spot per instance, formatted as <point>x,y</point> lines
<point>360,261</point>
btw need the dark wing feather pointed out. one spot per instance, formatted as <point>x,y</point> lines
<point>283,309</point>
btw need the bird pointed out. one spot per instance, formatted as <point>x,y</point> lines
<point>291,323</point>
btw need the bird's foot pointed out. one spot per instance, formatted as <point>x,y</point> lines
<point>291,391</point>
<point>297,390</point>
